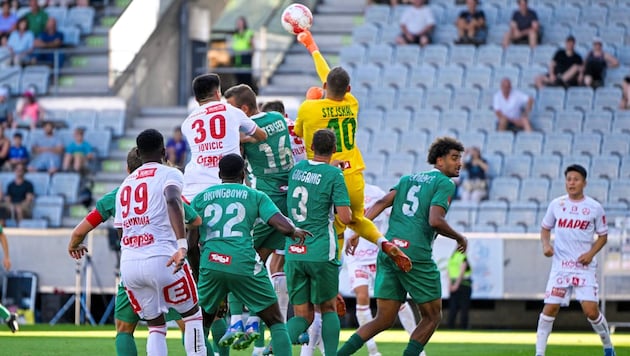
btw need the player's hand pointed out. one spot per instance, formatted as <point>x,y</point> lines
<point>247,139</point>
<point>300,235</point>
<point>78,251</point>
<point>341,306</point>
<point>400,258</point>
<point>338,163</point>
<point>177,260</point>
<point>585,259</point>
<point>547,250</point>
<point>462,244</point>
<point>6,263</point>
<point>306,39</point>
<point>351,244</point>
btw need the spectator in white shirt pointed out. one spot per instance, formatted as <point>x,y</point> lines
<point>512,108</point>
<point>417,24</point>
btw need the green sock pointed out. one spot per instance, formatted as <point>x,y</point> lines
<point>125,345</point>
<point>414,348</point>
<point>4,312</point>
<point>351,346</point>
<point>206,332</point>
<point>280,340</point>
<point>235,305</point>
<point>330,332</point>
<point>260,342</point>
<point>218,329</point>
<point>296,326</point>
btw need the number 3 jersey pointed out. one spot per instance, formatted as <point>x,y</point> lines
<point>142,213</point>
<point>229,212</point>
<point>212,131</point>
<point>574,224</point>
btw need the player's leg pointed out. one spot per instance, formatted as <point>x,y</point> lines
<point>126,320</point>
<point>213,290</point>
<point>299,287</point>
<point>324,287</point>
<point>314,334</point>
<point>406,317</point>
<point>545,325</point>
<point>237,328</point>
<point>599,324</point>
<point>360,280</point>
<point>9,318</point>
<point>279,280</point>
<point>431,314</point>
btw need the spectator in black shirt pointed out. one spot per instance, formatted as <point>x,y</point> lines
<point>524,27</point>
<point>564,69</point>
<point>471,25</point>
<point>20,196</point>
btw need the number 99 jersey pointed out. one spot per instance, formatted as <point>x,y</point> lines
<point>212,131</point>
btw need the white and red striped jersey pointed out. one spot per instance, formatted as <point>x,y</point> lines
<point>141,212</point>
<point>212,130</point>
<point>574,224</point>
<point>366,252</point>
<point>297,144</point>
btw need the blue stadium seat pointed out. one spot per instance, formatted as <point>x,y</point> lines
<point>557,189</point>
<point>546,167</point>
<point>518,166</point>
<point>462,55</point>
<point>466,98</point>
<point>414,142</point>
<point>398,119</point>
<point>33,224</point>
<point>377,14</point>
<point>511,229</point>
<point>382,98</point>
<point>523,214</point>
<point>366,75</point>
<point>362,139</point>
<point>458,216</point>
<point>112,119</point>
<point>569,121</point>
<point>618,15</point>
<point>543,121</point>
<point>40,181</point>
<point>579,98</point>
<point>491,55</point>
<point>619,192</point>
<point>616,144</point>
<point>528,143</point>
<point>410,98</point>
<point>422,76</point>
<point>482,121</point>
<point>49,208</point>
<point>593,14</point>
<point>454,120</point>
<point>389,33</point>
<point>543,53</point>
<point>607,98</point>
<point>371,118</point>
<point>400,164</point>
<point>473,139</point>
<point>71,35</point>
<point>66,185</point>
<point>500,142</point>
<point>587,143</point>
<point>495,164</point>
<point>85,118</point>
<point>551,98</point>
<point>451,76</point>
<point>556,34</point>
<point>57,12</point>
<point>439,98</point>
<point>504,188</point>
<point>505,72</point>
<point>365,34</point>
<point>375,164</point>
<point>354,54</point>
<point>597,189</point>
<point>407,54</point>
<point>435,54</point>
<point>582,160</point>
<point>478,77</point>
<point>605,167</point>
<point>534,190</point>
<point>529,75</point>
<point>395,75</point>
<point>492,212</point>
<point>516,55</point>
<point>83,17</point>
<point>427,120</point>
<point>568,15</point>
<point>598,121</point>
<point>386,142</point>
<point>381,54</point>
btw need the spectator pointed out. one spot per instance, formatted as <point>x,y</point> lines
<point>50,39</point>
<point>417,24</point>
<point>18,154</point>
<point>475,183</point>
<point>177,149</point>
<point>524,27</point>
<point>471,25</point>
<point>243,48</point>
<point>6,115</point>
<point>30,113</point>
<point>47,150</point>
<point>625,95</point>
<point>78,153</point>
<point>383,2</point>
<point>594,70</point>
<point>564,68</point>
<point>20,43</point>
<point>36,18</point>
<point>19,196</point>
<point>460,287</point>
<point>7,20</point>
<point>512,108</point>
<point>5,144</point>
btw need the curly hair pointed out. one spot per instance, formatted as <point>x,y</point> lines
<point>441,147</point>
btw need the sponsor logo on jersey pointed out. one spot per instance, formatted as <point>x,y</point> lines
<point>361,274</point>
<point>209,161</point>
<point>576,281</point>
<point>297,249</point>
<point>572,264</point>
<point>215,108</point>
<point>573,224</point>
<point>136,241</point>
<point>558,292</point>
<point>368,252</point>
<point>146,172</point>
<point>400,242</point>
<point>220,258</point>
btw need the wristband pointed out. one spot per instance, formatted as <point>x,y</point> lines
<point>380,241</point>
<point>182,243</point>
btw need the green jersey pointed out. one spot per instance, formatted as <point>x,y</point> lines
<point>314,189</point>
<point>272,159</point>
<point>106,207</point>
<point>229,212</point>
<point>409,225</point>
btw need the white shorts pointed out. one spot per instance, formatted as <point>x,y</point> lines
<point>152,287</point>
<point>362,275</point>
<point>562,284</point>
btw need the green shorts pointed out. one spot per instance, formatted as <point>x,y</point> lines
<point>255,291</point>
<point>266,236</point>
<point>314,282</point>
<point>124,312</point>
<point>422,282</point>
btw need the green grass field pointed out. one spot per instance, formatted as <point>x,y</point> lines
<point>87,340</point>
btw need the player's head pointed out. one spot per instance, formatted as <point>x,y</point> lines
<point>232,168</point>
<point>274,105</point>
<point>324,143</point>
<point>207,87</point>
<point>337,83</point>
<point>575,180</point>
<point>445,154</point>
<point>242,97</point>
<point>150,143</point>
<point>133,160</point>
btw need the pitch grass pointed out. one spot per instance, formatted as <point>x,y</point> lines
<point>87,340</point>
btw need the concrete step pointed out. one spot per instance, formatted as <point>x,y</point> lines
<point>338,23</point>
<point>88,84</point>
<point>88,62</point>
<point>157,122</point>
<point>340,8</point>
<point>175,111</point>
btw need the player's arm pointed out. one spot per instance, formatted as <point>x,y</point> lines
<point>321,66</point>
<point>6,261</point>
<point>587,257</point>
<point>287,228</point>
<point>437,221</point>
<point>380,205</point>
<point>344,213</point>
<point>545,238</point>
<point>76,248</point>
<point>175,211</point>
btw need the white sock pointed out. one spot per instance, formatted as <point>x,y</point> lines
<point>252,319</point>
<point>545,324</point>
<point>235,318</point>
<point>600,325</point>
<point>364,316</point>
<point>314,335</point>
<point>407,319</point>
<point>280,286</point>
<point>156,342</point>
<point>194,342</point>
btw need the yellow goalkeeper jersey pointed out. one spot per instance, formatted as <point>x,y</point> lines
<point>339,116</point>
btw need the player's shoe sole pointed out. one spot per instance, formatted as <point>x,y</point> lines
<point>229,337</point>
<point>245,340</point>
<point>13,323</point>
<point>400,258</point>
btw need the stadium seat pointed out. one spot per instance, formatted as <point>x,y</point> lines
<point>83,17</point>
<point>458,216</point>
<point>504,188</point>
<point>597,189</point>
<point>375,164</point>
<point>618,15</point>
<point>435,54</point>
<point>112,119</point>
<point>612,35</point>
<point>463,55</point>
<point>495,164</point>
<point>529,75</point>
<point>551,98</point>
<point>528,143</point>
<point>542,54</point>
<point>366,75</point>
<point>410,98</point>
<point>492,212</point>
<point>517,166</point>
<point>57,12</point>
<point>377,14</point>
<point>579,98</point>
<point>362,139</point>
<point>386,142</point>
<point>400,164</point>
<point>500,142</point>
<point>454,120</point>
<point>546,166</point>
<point>466,98</point>
<point>407,55</point>
<point>569,121</point>
<point>365,34</point>
<point>482,121</point>
<point>598,121</point>
<point>438,98</point>
<point>484,228</point>
<point>534,190</point>
<point>583,34</point>
<point>543,121</point>
<point>40,181</point>
<point>616,144</point>
<point>516,55</point>
<point>382,98</point>
<point>100,141</point>
<point>66,185</point>
<point>426,120</point>
<point>511,229</point>
<point>557,189</point>
<point>568,15</point>
<point>473,139</point>
<point>85,118</point>
<point>371,119</point>
<point>422,76</point>
<point>451,76</point>
<point>582,160</point>
<point>395,76</point>
<point>478,77</point>
<point>398,119</point>
<point>607,98</point>
<point>33,224</point>
<point>490,55</point>
<point>605,167</point>
<point>49,208</point>
<point>499,73</point>
<point>587,143</point>
<point>380,54</point>
<point>354,54</point>
<point>621,122</point>
<point>389,34</point>
<point>35,78</point>
<point>487,98</point>
<point>71,35</point>
<point>618,192</point>
<point>556,34</point>
<point>593,14</point>
<point>523,213</point>
<point>497,32</point>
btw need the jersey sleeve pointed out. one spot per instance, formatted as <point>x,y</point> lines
<point>321,66</point>
<point>266,207</point>
<point>174,177</point>
<point>118,213</point>
<point>443,194</point>
<point>189,214</point>
<point>601,227</point>
<point>298,125</point>
<point>340,195</point>
<point>246,125</point>
<point>106,206</point>
<point>549,220</point>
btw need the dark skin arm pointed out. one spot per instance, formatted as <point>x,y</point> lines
<point>287,228</point>
<point>194,253</point>
<point>175,210</point>
<point>438,222</point>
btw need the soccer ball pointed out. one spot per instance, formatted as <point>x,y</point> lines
<point>296,18</point>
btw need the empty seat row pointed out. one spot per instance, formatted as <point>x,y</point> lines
<point>17,80</point>
<point>106,119</point>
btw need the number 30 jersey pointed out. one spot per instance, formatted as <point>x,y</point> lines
<point>212,131</point>
<point>142,213</point>
<point>341,118</point>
